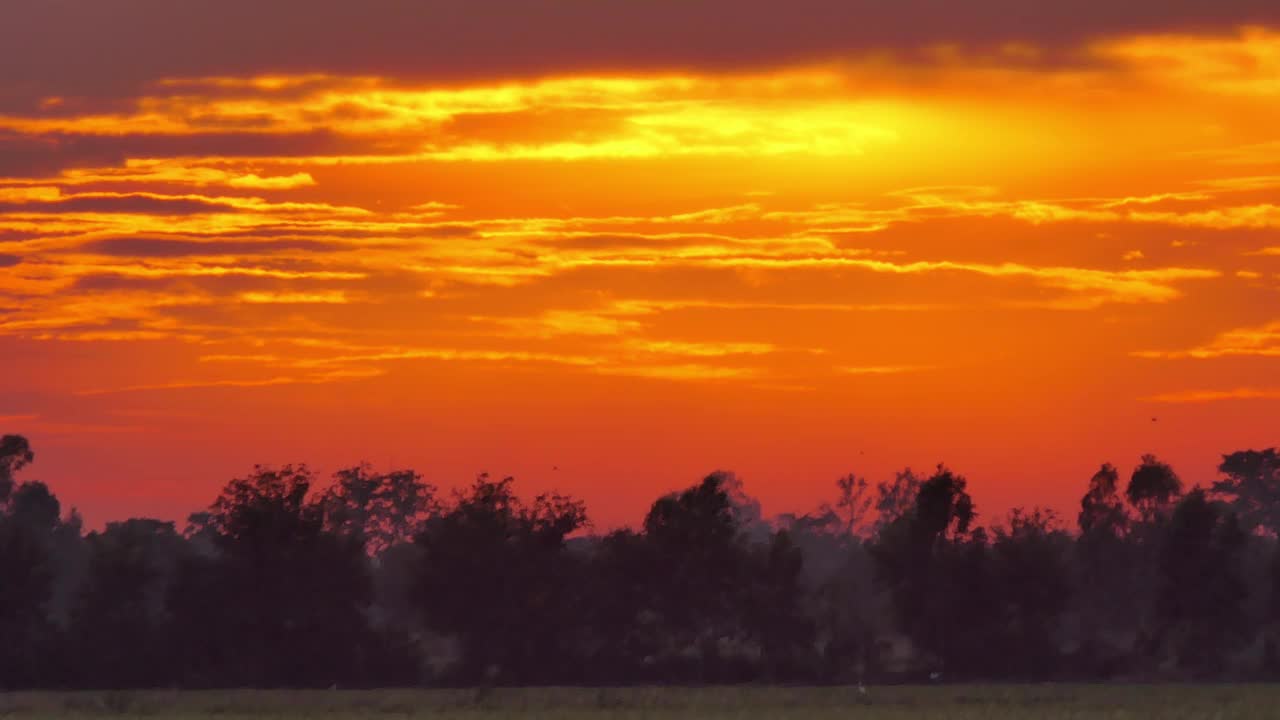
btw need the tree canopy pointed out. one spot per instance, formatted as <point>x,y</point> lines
<point>375,577</point>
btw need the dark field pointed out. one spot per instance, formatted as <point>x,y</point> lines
<point>1050,702</point>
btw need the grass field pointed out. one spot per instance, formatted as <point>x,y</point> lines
<point>960,702</point>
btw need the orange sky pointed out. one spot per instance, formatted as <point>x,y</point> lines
<point>1005,252</point>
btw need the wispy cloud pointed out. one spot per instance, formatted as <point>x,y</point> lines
<point>1261,341</point>
<point>880,369</point>
<point>334,297</point>
<point>1208,396</point>
<point>312,379</point>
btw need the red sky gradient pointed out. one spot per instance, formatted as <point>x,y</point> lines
<point>636,242</point>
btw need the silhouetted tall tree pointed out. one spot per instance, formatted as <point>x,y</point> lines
<point>1101,509</point>
<point>936,566</point>
<point>852,508</point>
<point>287,599</point>
<point>702,562</point>
<point>378,510</point>
<point>896,498</point>
<point>1108,586</point>
<point>26,586</point>
<point>29,522</point>
<point>495,574</point>
<point>15,454</point>
<point>1200,591</point>
<point>777,616</point>
<point>1252,487</point>
<point>1031,569</point>
<point>623,640</point>
<point>120,620</point>
<point>1153,488</point>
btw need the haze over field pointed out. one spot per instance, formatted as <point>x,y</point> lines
<point>636,242</point>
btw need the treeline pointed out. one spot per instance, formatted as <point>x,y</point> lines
<point>377,579</point>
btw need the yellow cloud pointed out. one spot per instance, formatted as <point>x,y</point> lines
<point>1101,285</point>
<point>879,369</point>
<point>313,379</point>
<point>179,172</point>
<point>1251,216</point>
<point>1204,396</point>
<point>293,298</point>
<point>699,349</point>
<point>157,271</point>
<point>687,371</point>
<point>366,355</point>
<point>35,193</point>
<point>279,182</point>
<point>1263,341</point>
<point>1247,63</point>
<point>568,322</point>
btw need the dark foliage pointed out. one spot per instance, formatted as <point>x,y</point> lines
<point>374,579</point>
<point>1153,488</point>
<point>496,574</point>
<point>1252,487</point>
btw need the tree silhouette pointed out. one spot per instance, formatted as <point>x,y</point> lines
<point>623,636</point>
<point>495,574</point>
<point>720,591</point>
<point>35,505</point>
<point>694,537</point>
<point>29,515</point>
<point>943,509</point>
<point>1252,487</point>
<point>281,583</point>
<point>895,499</point>
<point>378,510</point>
<point>1200,592</point>
<point>15,454</point>
<point>1153,488</point>
<point>26,586</point>
<point>1101,509</point>
<point>1110,578</point>
<point>288,598</point>
<point>1030,556</point>
<point>776,615</point>
<point>853,505</point>
<point>121,614</point>
<point>936,566</point>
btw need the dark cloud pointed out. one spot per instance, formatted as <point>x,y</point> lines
<point>380,236</point>
<point>24,233</point>
<point>45,154</point>
<point>108,283</point>
<point>42,156</point>
<point>143,204</point>
<point>92,48</point>
<point>9,260</point>
<point>200,285</point>
<point>446,230</point>
<point>171,247</point>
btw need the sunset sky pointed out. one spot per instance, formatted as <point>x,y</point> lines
<point>637,242</point>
